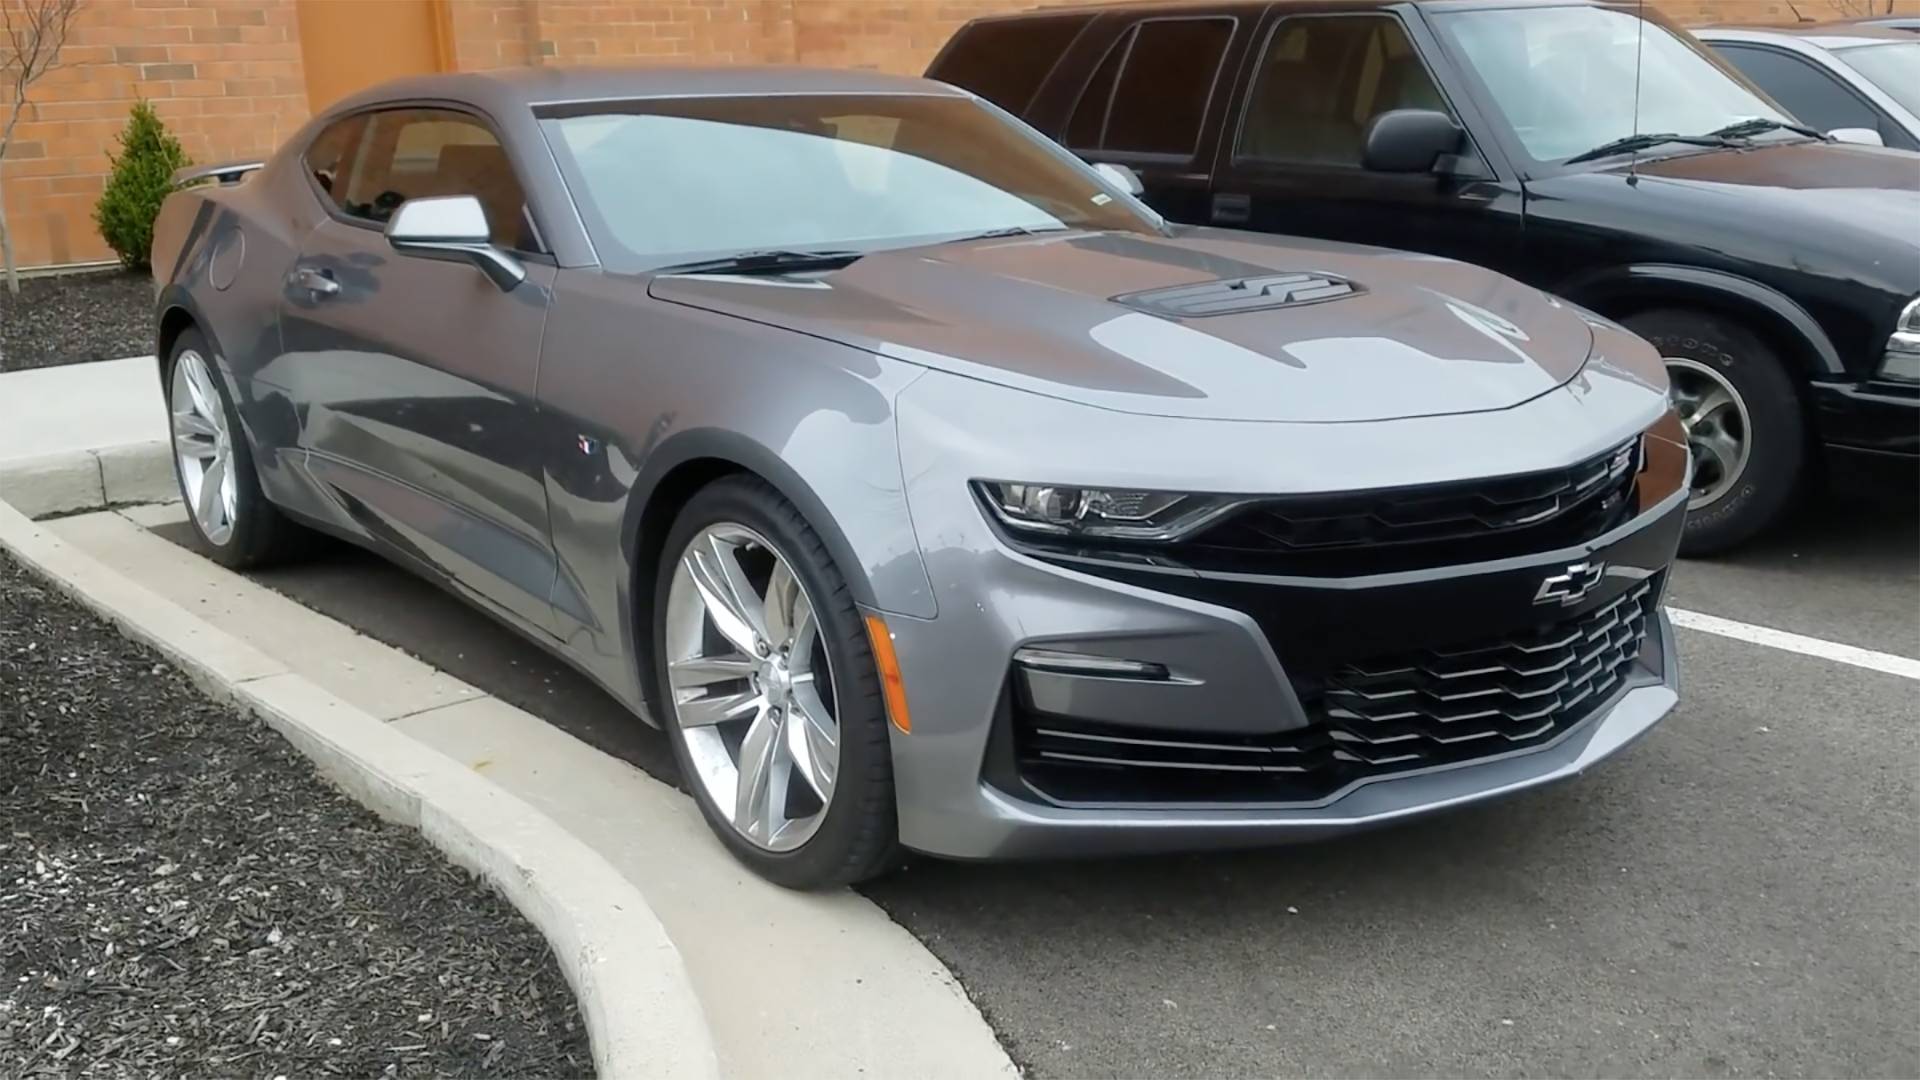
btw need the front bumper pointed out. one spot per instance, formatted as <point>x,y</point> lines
<point>958,797</point>
<point>1874,419</point>
<point>1224,638</point>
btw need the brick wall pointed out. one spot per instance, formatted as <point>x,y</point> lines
<point>226,75</point>
<point>223,74</point>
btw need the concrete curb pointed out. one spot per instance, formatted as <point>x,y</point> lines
<point>88,479</point>
<point>633,990</point>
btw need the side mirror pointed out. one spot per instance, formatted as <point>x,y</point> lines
<point>1858,136</point>
<point>452,228</point>
<point>1121,177</point>
<point>1410,141</point>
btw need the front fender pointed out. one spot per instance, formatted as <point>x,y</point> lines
<point>1608,288</point>
<point>854,501</point>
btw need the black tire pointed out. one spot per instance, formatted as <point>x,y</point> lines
<point>261,535</point>
<point>1776,467</point>
<point>858,837</point>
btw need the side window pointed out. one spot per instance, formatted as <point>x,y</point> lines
<point>417,153</point>
<point>1323,80</point>
<point>330,158</point>
<point>1089,120</point>
<point>1149,96</point>
<point>1801,88</point>
<point>1005,62</point>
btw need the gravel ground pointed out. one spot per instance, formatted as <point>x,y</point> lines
<point>180,894</point>
<point>73,318</point>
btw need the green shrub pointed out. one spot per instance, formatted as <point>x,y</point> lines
<point>142,178</point>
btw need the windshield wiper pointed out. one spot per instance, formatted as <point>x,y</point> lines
<point>1011,230</point>
<point>1760,125</point>
<point>1644,142</point>
<point>765,262</point>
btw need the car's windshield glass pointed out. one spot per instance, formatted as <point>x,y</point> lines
<point>1893,67</point>
<point>661,182</point>
<point>1564,77</point>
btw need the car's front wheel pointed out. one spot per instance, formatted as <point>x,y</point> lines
<point>1744,425</point>
<point>769,691</point>
<point>232,520</point>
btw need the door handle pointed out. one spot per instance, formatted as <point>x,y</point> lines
<point>316,281</point>
<point>1231,209</point>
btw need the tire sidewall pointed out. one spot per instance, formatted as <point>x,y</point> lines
<point>835,849</point>
<point>1776,433</point>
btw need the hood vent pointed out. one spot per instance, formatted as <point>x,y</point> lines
<point>1236,295</point>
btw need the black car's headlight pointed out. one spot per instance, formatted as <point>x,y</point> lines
<point>1099,513</point>
<point>1901,363</point>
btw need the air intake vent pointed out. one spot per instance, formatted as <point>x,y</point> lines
<point>1237,295</point>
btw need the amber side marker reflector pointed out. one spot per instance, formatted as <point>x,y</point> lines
<point>892,687</point>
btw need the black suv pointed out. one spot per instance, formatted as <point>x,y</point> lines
<point>1775,269</point>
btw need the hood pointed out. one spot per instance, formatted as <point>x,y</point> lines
<point>1205,324</point>
<point>1866,187</point>
<point>1846,214</point>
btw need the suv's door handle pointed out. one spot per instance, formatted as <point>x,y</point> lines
<point>1231,209</point>
<point>316,281</point>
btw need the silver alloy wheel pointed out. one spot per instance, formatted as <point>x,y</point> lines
<point>1715,417</point>
<point>752,686</point>
<point>204,446</point>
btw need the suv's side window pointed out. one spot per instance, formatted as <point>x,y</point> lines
<point>1150,94</point>
<point>1801,87</point>
<point>416,153</point>
<point>1322,81</point>
<point>329,159</point>
<point>1005,62</point>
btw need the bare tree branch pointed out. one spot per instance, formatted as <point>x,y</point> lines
<point>32,35</point>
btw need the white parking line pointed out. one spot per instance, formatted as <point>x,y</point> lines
<point>1905,667</point>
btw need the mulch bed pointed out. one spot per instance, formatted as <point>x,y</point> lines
<point>74,318</point>
<point>181,895</point>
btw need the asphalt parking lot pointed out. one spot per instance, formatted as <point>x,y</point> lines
<point>1737,895</point>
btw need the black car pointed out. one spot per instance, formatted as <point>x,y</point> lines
<point>1596,154</point>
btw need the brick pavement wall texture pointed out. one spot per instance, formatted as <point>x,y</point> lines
<point>226,75</point>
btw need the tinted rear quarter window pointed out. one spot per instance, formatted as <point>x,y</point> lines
<point>329,159</point>
<point>1161,77</point>
<point>1006,61</point>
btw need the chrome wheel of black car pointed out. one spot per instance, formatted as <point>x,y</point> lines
<point>1746,426</point>
<point>1711,409</point>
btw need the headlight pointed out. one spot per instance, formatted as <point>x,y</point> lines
<point>1902,360</point>
<point>1102,513</point>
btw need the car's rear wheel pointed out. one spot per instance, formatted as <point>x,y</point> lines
<point>769,692</point>
<point>232,520</point>
<point>1744,425</point>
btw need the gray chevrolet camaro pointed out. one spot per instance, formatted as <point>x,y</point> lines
<point>926,487</point>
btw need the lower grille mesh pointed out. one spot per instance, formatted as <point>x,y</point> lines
<point>1373,718</point>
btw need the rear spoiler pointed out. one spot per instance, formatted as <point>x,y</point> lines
<point>224,174</point>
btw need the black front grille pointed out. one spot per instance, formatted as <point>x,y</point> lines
<point>1378,531</point>
<point>1374,718</point>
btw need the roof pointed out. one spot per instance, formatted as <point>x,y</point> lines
<point>1825,35</point>
<point>1178,7</point>
<point>527,87</point>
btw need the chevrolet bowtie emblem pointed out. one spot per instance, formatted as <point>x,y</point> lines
<point>1572,586</point>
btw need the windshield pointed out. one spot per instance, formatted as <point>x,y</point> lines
<point>1893,67</point>
<point>659,181</point>
<point>1564,77</point>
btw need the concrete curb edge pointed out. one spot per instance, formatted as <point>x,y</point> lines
<point>631,985</point>
<point>89,479</point>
